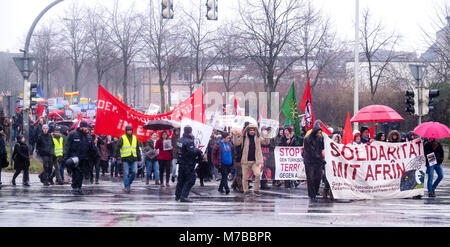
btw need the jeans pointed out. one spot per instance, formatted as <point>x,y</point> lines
<point>48,165</point>
<point>57,172</point>
<point>224,170</point>
<point>128,176</point>
<point>430,170</point>
<point>114,168</point>
<point>61,169</point>
<point>151,166</point>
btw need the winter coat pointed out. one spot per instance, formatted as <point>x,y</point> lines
<point>284,143</point>
<point>21,156</point>
<point>102,146</point>
<point>216,154</point>
<point>129,159</point>
<point>3,154</point>
<point>150,153</point>
<point>81,145</point>
<point>174,146</point>
<point>163,155</point>
<point>45,145</point>
<point>436,148</point>
<point>244,144</point>
<point>188,154</point>
<point>313,146</point>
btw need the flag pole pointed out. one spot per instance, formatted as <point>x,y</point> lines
<point>356,83</point>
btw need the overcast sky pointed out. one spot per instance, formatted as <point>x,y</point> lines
<point>405,16</point>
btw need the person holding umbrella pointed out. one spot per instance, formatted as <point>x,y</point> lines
<point>434,154</point>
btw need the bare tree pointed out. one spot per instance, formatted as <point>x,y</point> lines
<point>126,35</point>
<point>99,48</point>
<point>201,49</point>
<point>231,60</point>
<point>165,47</point>
<point>378,46</point>
<point>438,54</point>
<point>75,40</point>
<point>268,29</point>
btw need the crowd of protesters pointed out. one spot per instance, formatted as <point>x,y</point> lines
<point>231,155</point>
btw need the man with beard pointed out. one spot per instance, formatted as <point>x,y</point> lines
<point>313,159</point>
<point>78,149</point>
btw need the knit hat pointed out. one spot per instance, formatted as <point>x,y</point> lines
<point>83,124</point>
<point>188,129</point>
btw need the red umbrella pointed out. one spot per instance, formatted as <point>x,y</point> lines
<point>432,130</point>
<point>376,113</point>
<point>56,114</point>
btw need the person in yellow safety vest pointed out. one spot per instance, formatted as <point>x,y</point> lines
<point>128,150</point>
<point>58,142</point>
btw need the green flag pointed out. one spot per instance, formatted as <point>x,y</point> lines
<point>290,110</point>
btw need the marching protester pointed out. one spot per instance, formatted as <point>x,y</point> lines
<point>313,159</point>
<point>394,136</point>
<point>434,156</point>
<point>222,157</point>
<point>114,169</point>
<point>188,156</point>
<point>164,157</point>
<point>365,138</point>
<point>3,155</point>
<point>176,136</point>
<point>45,149</point>
<point>102,145</point>
<point>381,137</point>
<point>203,170</point>
<point>58,143</point>
<point>128,149</point>
<point>21,158</point>
<point>151,162</point>
<point>252,158</point>
<point>357,139</point>
<point>287,140</point>
<point>78,150</point>
<point>411,136</point>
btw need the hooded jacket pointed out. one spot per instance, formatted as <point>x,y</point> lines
<point>245,143</point>
<point>313,146</point>
<point>391,134</point>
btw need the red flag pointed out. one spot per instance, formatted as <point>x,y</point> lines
<point>372,132</point>
<point>325,129</point>
<point>348,132</point>
<point>237,111</point>
<point>307,107</point>
<point>40,110</point>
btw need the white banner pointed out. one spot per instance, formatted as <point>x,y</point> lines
<point>380,170</point>
<point>289,163</point>
<point>201,132</point>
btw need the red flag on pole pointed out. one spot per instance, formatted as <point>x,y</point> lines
<point>348,132</point>
<point>372,132</point>
<point>237,111</point>
<point>40,110</point>
<point>307,107</point>
<point>325,129</point>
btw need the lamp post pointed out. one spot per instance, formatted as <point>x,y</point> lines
<point>356,47</point>
<point>418,72</point>
<point>26,66</point>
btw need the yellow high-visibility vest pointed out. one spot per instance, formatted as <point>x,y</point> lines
<point>58,146</point>
<point>127,150</point>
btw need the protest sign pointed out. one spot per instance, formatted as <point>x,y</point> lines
<point>268,128</point>
<point>113,115</point>
<point>289,161</point>
<point>377,171</point>
<point>201,132</point>
<point>269,162</point>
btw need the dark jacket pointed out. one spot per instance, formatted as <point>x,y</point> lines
<point>149,150</point>
<point>187,152</point>
<point>112,148</point>
<point>80,145</point>
<point>313,146</point>
<point>3,154</point>
<point>45,145</point>
<point>21,156</point>
<point>284,143</point>
<point>436,148</point>
<point>129,159</point>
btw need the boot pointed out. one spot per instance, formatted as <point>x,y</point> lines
<point>147,182</point>
<point>201,183</point>
<point>13,181</point>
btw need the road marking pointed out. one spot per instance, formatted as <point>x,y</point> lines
<point>156,213</point>
<point>320,214</point>
<point>17,211</point>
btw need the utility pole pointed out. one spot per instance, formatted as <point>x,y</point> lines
<point>26,66</point>
<point>356,84</point>
<point>418,72</point>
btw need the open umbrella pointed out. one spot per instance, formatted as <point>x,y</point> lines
<point>56,114</point>
<point>432,130</point>
<point>376,113</point>
<point>159,125</point>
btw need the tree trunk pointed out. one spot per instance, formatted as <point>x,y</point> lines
<point>163,98</point>
<point>125,83</point>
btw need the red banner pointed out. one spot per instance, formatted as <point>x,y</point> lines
<point>113,115</point>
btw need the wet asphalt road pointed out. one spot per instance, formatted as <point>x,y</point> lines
<point>149,205</point>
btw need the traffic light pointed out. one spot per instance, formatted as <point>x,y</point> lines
<point>33,93</point>
<point>428,95</point>
<point>211,10</point>
<point>167,9</point>
<point>412,102</point>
